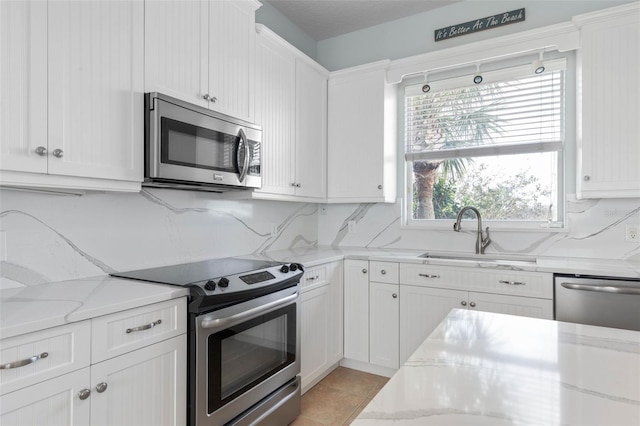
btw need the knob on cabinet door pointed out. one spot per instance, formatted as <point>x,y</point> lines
<point>463,303</point>
<point>84,394</point>
<point>472,304</point>
<point>394,295</point>
<point>364,271</point>
<point>101,387</point>
<point>41,150</point>
<point>58,153</point>
<point>383,272</point>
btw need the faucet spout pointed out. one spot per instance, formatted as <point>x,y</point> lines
<point>481,241</point>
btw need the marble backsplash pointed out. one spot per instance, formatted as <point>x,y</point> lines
<point>46,237</point>
<point>596,229</point>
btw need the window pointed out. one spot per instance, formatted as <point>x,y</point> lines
<point>496,146</point>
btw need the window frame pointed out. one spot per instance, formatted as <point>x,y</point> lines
<point>561,225</point>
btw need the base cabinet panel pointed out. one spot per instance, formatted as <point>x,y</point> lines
<point>143,387</point>
<point>315,334</point>
<point>385,316</point>
<point>52,402</point>
<point>356,310</point>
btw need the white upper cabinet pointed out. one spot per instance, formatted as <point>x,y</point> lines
<point>202,52</point>
<point>291,107</point>
<point>72,101</point>
<point>23,86</point>
<point>362,136</point>
<point>609,103</point>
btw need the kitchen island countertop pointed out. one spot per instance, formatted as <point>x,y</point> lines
<point>481,368</point>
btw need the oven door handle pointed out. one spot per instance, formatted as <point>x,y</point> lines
<point>242,316</point>
<point>603,288</point>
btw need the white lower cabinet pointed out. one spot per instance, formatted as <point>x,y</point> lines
<point>56,380</point>
<point>52,402</point>
<point>143,387</point>
<point>321,322</point>
<point>423,308</point>
<point>356,310</point>
<point>384,309</point>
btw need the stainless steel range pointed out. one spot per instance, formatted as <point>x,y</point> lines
<point>244,339</point>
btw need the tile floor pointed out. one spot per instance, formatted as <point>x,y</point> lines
<point>338,398</point>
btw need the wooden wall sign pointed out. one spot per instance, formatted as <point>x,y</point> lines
<point>481,24</point>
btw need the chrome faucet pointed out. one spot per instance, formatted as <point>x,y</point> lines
<point>481,242</point>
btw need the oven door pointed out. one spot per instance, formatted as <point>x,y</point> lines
<point>192,145</point>
<point>245,353</point>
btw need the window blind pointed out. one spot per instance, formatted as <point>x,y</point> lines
<point>512,111</point>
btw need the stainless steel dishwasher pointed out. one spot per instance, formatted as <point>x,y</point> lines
<point>603,301</point>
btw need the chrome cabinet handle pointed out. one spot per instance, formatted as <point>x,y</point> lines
<point>603,288</point>
<point>58,153</point>
<point>383,272</point>
<point>313,278</point>
<point>23,362</point>
<point>84,394</point>
<point>429,276</point>
<point>41,151</point>
<point>295,185</point>
<point>512,282</point>
<point>364,271</point>
<point>472,304</point>
<point>101,387</point>
<point>379,186</point>
<point>394,295</point>
<point>208,98</point>
<point>463,303</point>
<point>144,327</point>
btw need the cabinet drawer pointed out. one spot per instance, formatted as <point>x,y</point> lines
<point>45,354</point>
<point>125,331</point>
<point>499,281</point>
<point>315,277</point>
<point>385,272</point>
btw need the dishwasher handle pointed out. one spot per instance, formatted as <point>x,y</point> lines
<point>603,288</point>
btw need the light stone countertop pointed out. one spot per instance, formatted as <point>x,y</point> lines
<point>37,307</point>
<point>481,368</point>
<point>312,256</point>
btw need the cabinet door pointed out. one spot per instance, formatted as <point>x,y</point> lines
<point>512,305</point>
<point>315,333</point>
<point>52,402</point>
<point>421,310</point>
<point>361,138</point>
<point>176,43</point>
<point>274,111</point>
<point>311,131</point>
<point>231,45</point>
<point>95,82</point>
<point>23,85</point>
<point>143,387</point>
<point>356,310</point>
<point>384,311</point>
<point>609,62</point>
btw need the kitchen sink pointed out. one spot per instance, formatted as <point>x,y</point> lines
<point>498,259</point>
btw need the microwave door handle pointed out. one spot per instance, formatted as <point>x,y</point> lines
<point>245,165</point>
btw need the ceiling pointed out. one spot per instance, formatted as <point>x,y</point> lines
<point>323,19</point>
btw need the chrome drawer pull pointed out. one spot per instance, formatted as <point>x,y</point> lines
<point>23,362</point>
<point>512,282</point>
<point>313,278</point>
<point>144,327</point>
<point>429,276</point>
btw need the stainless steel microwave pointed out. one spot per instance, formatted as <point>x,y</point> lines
<point>190,147</point>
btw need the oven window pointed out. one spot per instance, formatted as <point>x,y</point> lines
<point>244,355</point>
<point>184,144</point>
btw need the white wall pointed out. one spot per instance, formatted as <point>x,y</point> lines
<point>54,238</point>
<point>414,35</point>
